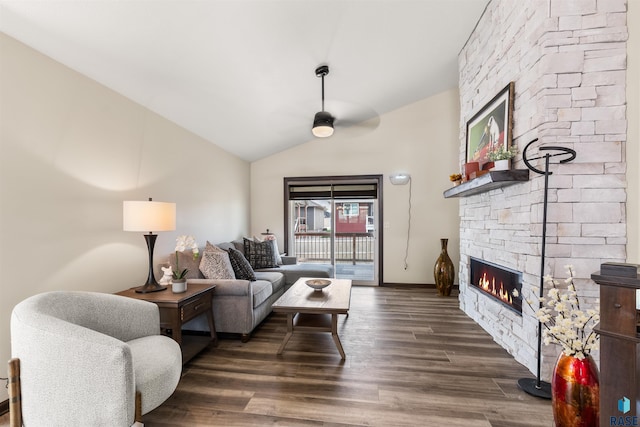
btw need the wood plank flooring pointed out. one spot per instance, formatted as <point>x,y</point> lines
<point>413,359</point>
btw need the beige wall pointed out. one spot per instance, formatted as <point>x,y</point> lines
<point>633,132</point>
<point>421,139</point>
<point>71,151</point>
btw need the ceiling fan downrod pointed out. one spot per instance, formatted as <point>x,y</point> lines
<point>322,71</point>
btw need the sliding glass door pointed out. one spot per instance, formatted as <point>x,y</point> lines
<point>335,220</point>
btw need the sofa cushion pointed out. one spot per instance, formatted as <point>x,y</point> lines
<point>210,247</point>
<point>296,271</point>
<point>186,260</point>
<point>275,278</point>
<point>225,246</point>
<point>216,265</point>
<point>241,267</point>
<point>261,290</point>
<point>239,244</point>
<point>259,254</point>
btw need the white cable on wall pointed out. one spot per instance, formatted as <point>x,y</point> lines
<point>403,179</point>
<point>406,252</point>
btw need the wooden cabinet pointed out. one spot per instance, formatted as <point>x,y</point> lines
<point>619,342</point>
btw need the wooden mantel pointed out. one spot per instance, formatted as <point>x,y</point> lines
<point>488,182</point>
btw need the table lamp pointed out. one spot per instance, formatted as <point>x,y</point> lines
<point>149,216</point>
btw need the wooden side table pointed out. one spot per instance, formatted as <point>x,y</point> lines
<point>178,309</point>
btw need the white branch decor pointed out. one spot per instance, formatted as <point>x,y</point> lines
<point>564,322</point>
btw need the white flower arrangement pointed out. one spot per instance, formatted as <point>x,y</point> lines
<point>182,244</point>
<point>565,323</point>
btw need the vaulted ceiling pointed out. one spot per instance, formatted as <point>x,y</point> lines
<point>240,73</point>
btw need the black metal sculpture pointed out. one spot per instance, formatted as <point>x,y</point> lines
<point>536,387</point>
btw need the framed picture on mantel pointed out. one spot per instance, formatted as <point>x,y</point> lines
<point>491,127</point>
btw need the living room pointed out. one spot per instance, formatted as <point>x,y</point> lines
<point>73,150</point>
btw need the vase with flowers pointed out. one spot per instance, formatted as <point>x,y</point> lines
<point>575,390</point>
<point>179,282</point>
<point>501,157</point>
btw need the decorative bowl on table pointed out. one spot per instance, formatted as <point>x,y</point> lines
<point>318,284</point>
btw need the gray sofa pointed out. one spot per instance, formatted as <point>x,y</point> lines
<point>290,268</point>
<point>240,305</point>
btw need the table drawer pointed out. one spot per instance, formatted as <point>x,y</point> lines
<point>195,307</point>
<point>617,310</point>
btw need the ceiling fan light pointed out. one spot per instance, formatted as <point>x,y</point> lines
<point>322,125</point>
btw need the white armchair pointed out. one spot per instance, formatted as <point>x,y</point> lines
<point>84,355</point>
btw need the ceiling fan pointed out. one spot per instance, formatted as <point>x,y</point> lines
<point>323,121</point>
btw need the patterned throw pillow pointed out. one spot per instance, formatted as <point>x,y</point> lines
<point>259,254</point>
<point>216,265</point>
<point>277,258</point>
<point>241,266</point>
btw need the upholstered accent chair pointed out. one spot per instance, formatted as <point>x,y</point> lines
<point>84,356</point>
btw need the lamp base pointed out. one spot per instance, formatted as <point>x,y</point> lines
<point>531,386</point>
<point>150,287</point>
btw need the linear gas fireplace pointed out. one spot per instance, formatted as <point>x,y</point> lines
<point>500,283</point>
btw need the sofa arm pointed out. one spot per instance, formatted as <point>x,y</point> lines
<point>289,260</point>
<point>226,287</point>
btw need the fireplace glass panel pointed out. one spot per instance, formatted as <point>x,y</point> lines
<point>497,282</point>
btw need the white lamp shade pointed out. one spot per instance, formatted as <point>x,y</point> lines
<point>148,216</point>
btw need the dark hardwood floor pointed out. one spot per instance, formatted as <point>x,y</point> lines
<point>413,359</point>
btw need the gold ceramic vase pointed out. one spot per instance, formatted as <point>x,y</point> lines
<point>443,271</point>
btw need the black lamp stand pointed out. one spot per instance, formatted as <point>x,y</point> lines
<point>152,285</point>
<point>534,386</point>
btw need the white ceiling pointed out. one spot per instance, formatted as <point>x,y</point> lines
<point>241,73</point>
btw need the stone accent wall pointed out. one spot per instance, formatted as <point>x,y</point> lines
<point>568,62</point>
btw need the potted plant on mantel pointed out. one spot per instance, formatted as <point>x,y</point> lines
<point>456,178</point>
<point>501,157</point>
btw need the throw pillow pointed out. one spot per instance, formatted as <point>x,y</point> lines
<point>259,254</point>
<point>277,258</point>
<point>216,265</point>
<point>241,266</point>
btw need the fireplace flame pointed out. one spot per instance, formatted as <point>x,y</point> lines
<point>498,292</point>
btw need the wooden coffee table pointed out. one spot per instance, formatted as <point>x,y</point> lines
<point>309,310</point>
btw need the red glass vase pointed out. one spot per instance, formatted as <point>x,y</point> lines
<point>575,392</point>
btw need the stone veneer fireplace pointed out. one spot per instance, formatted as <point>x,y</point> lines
<point>568,63</point>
